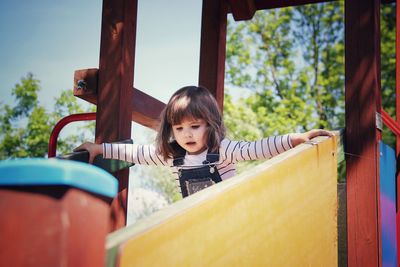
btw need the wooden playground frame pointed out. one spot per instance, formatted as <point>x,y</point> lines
<point>110,87</point>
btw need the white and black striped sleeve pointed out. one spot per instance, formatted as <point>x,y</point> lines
<point>265,148</point>
<point>135,153</point>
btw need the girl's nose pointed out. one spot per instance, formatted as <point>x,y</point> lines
<point>188,133</point>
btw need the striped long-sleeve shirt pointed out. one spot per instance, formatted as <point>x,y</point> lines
<point>230,152</point>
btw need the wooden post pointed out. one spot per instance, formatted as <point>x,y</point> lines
<point>212,48</point>
<point>398,121</point>
<point>362,46</point>
<point>115,94</point>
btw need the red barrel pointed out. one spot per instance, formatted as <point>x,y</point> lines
<point>54,213</point>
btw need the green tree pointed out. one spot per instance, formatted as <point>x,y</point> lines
<point>292,62</point>
<point>241,122</point>
<point>388,65</point>
<point>160,180</point>
<point>156,178</point>
<point>292,59</point>
<point>26,126</point>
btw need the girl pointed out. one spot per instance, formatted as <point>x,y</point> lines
<point>192,141</point>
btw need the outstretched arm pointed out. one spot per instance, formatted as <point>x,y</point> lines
<point>299,138</point>
<point>93,149</point>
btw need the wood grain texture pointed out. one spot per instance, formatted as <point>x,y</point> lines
<point>362,94</point>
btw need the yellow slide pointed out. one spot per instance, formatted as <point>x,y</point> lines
<point>281,213</point>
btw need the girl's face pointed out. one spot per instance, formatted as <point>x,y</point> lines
<point>190,134</point>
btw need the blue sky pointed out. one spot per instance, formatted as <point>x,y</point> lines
<point>52,39</point>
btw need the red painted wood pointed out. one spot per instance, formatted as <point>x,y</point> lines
<point>212,48</point>
<point>141,113</point>
<point>268,4</point>
<point>52,226</point>
<point>114,99</point>
<point>398,118</point>
<point>362,96</point>
<point>390,122</point>
<point>242,9</point>
<point>146,109</point>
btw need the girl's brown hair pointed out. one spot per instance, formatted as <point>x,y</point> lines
<point>190,102</point>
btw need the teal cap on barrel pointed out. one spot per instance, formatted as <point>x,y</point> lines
<point>40,171</point>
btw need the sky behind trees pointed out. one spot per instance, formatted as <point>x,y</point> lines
<point>52,39</point>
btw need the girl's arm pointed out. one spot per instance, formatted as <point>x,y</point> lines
<point>265,148</point>
<point>135,153</point>
<point>234,151</point>
<point>299,138</point>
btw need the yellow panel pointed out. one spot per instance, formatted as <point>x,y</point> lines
<point>281,213</point>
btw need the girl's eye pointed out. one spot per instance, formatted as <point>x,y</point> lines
<point>195,126</point>
<point>179,128</point>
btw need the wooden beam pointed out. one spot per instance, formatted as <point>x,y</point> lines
<point>242,9</point>
<point>268,4</point>
<point>85,87</point>
<point>212,47</point>
<point>146,109</point>
<point>398,121</point>
<point>115,80</point>
<point>236,5</point>
<point>362,97</point>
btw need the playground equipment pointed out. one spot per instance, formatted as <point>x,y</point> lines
<point>280,213</point>
<point>113,91</point>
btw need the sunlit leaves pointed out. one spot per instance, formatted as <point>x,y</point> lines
<point>26,126</point>
<point>293,61</point>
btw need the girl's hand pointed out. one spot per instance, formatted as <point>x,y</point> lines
<point>299,138</point>
<point>93,149</point>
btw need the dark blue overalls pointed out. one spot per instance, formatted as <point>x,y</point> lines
<point>195,179</point>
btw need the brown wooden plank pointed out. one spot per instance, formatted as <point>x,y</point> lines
<point>268,4</point>
<point>115,80</point>
<point>398,119</point>
<point>212,47</point>
<point>141,113</point>
<point>242,9</point>
<point>85,84</point>
<point>362,95</point>
<point>146,109</point>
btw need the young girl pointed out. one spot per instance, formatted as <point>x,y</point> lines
<point>192,141</point>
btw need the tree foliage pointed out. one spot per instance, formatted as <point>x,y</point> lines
<point>27,125</point>
<point>292,61</point>
<point>388,65</point>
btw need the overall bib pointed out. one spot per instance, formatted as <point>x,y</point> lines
<point>195,179</point>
